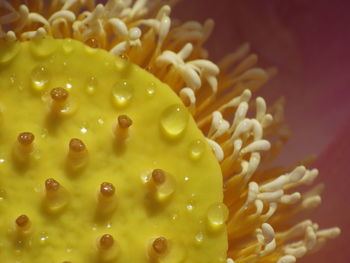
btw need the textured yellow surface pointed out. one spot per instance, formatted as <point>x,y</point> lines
<point>185,209</point>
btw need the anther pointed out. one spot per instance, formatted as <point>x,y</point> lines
<point>22,221</point>
<point>106,241</point>
<point>122,127</point>
<point>92,42</point>
<point>158,176</point>
<point>76,146</point>
<point>160,245</point>
<point>107,189</point>
<point>24,146</point>
<point>52,185</point>
<point>25,138</point>
<point>56,196</point>
<point>60,103</point>
<point>59,94</point>
<point>124,121</point>
<point>77,154</point>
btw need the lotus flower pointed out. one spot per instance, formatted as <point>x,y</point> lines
<point>265,219</point>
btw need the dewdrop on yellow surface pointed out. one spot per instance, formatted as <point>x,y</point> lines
<point>117,144</point>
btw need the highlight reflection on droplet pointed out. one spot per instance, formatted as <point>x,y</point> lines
<point>174,120</point>
<point>122,93</point>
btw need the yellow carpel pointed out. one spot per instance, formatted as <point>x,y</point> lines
<point>115,152</point>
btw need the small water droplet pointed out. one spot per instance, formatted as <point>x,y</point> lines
<point>69,85</point>
<point>42,46</point>
<point>91,85</point>
<point>199,238</point>
<point>100,121</point>
<point>189,207</point>
<point>196,149</point>
<point>40,78</point>
<point>43,237</point>
<point>83,130</point>
<point>217,215</point>
<point>174,120</point>
<point>8,50</point>
<point>166,189</point>
<point>67,46</point>
<point>151,90</point>
<point>119,64</point>
<point>122,93</point>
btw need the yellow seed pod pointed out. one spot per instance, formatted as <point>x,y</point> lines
<point>119,163</point>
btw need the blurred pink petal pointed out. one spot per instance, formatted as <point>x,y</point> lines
<point>334,168</point>
<point>309,41</point>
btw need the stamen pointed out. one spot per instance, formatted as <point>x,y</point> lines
<point>92,42</point>
<point>77,154</point>
<point>107,189</point>
<point>59,103</point>
<point>106,241</point>
<point>122,128</point>
<point>76,146</point>
<point>158,176</point>
<point>26,138</point>
<point>24,147</point>
<point>22,221</point>
<point>160,245</point>
<point>57,196</point>
<point>59,94</point>
<point>124,121</point>
<point>52,185</point>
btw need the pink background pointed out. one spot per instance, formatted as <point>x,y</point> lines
<point>309,41</point>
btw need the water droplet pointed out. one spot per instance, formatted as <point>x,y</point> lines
<point>196,149</point>
<point>217,215</point>
<point>100,121</point>
<point>151,90</point>
<point>174,120</point>
<point>67,46</point>
<point>40,78</point>
<point>166,189</point>
<point>91,85</point>
<point>83,130</point>
<point>189,207</point>
<point>199,238</point>
<point>119,64</point>
<point>8,50</point>
<point>43,47</point>
<point>122,93</point>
